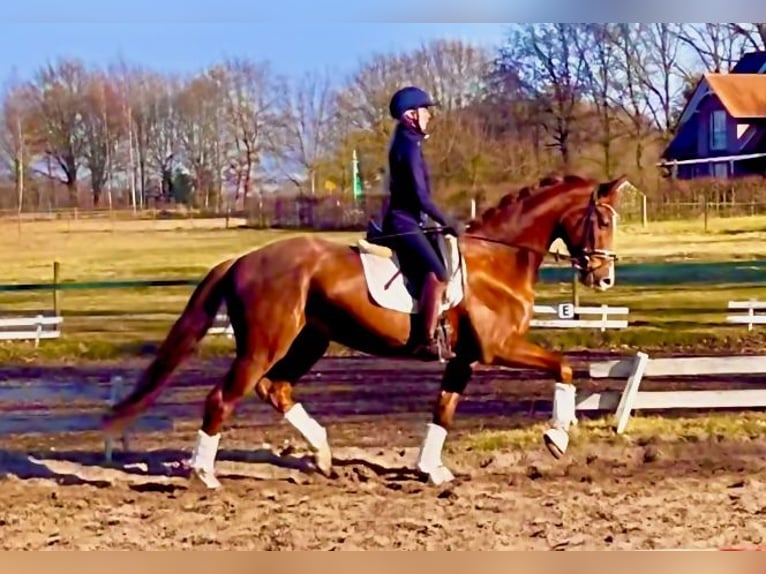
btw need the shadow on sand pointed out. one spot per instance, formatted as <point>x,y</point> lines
<point>172,464</point>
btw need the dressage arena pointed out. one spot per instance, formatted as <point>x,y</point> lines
<point>673,479</point>
<point>685,486</point>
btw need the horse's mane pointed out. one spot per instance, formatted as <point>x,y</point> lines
<point>511,199</point>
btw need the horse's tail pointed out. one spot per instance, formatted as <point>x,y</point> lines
<point>180,342</point>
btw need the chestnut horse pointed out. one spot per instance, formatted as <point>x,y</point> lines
<point>287,300</point>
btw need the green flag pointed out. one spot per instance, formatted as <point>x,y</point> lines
<point>357,178</point>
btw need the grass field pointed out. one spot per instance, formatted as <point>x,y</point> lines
<point>103,324</point>
<point>644,428</point>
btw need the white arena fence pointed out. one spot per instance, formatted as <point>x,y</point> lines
<point>547,316</point>
<point>751,316</point>
<point>34,328</point>
<point>567,316</point>
<point>635,369</point>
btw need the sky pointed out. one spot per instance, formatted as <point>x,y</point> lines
<point>34,32</point>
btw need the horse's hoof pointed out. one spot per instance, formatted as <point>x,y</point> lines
<point>440,475</point>
<point>323,461</point>
<point>206,477</point>
<point>557,441</point>
<point>437,475</point>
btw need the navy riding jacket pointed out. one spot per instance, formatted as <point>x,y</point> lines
<point>409,183</point>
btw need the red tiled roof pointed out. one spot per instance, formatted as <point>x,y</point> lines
<point>743,95</point>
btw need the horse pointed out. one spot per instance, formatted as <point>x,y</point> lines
<point>287,300</point>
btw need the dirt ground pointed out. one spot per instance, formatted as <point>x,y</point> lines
<point>57,492</point>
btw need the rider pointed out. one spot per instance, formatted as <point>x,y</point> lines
<point>408,202</point>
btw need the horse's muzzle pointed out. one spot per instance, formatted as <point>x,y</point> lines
<point>596,271</point>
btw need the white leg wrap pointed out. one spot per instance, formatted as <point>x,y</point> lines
<point>557,437</point>
<point>205,451</point>
<point>203,459</point>
<point>430,457</point>
<point>314,433</point>
<point>564,406</point>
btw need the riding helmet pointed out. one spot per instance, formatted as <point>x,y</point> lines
<point>409,98</point>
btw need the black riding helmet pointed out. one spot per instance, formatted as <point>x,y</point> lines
<point>409,98</point>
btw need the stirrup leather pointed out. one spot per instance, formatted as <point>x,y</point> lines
<point>443,337</point>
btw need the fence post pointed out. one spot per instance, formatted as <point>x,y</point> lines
<point>643,210</point>
<point>705,209</point>
<point>575,293</point>
<point>56,292</point>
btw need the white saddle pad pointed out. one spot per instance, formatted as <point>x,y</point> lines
<point>386,284</point>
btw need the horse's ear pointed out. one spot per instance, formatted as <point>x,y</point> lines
<point>611,190</point>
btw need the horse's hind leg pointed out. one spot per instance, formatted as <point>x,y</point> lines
<point>454,381</point>
<point>276,388</point>
<point>256,353</point>
<point>243,374</point>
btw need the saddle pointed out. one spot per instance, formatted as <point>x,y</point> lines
<point>391,288</point>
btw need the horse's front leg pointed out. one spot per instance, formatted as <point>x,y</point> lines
<point>455,378</point>
<point>518,352</point>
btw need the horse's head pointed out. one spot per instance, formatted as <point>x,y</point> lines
<point>588,228</point>
<point>580,212</point>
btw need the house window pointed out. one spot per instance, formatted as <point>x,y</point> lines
<point>718,130</point>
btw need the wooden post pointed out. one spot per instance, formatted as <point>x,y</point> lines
<point>705,209</point>
<point>56,293</point>
<point>643,210</point>
<point>575,294</point>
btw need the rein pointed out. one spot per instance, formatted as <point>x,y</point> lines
<point>442,230</point>
<point>577,256</point>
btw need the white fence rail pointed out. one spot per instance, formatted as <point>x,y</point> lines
<point>751,317</point>
<point>568,316</point>
<point>222,326</point>
<point>635,369</point>
<point>25,328</point>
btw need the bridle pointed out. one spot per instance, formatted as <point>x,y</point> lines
<point>581,256</point>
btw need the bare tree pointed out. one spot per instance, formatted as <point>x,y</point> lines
<point>597,49</point>
<point>203,136</point>
<point>716,46</point>
<point>552,73</point>
<point>363,106</point>
<point>130,81</point>
<point>307,116</point>
<point>158,126</point>
<point>251,93</point>
<point>660,72</point>
<point>453,72</point>
<point>628,75</point>
<point>56,95</point>
<point>752,33</point>
<point>103,128</point>
<point>15,145</point>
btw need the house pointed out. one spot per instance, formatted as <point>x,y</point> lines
<point>724,118</point>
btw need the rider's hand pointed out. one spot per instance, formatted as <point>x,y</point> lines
<point>454,227</point>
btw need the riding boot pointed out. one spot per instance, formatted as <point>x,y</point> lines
<point>430,299</point>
